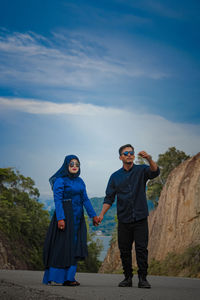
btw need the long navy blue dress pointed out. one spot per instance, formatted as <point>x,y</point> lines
<point>73,189</point>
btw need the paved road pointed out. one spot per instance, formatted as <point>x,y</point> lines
<point>27,285</point>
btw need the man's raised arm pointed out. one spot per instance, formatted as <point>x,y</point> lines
<point>152,163</point>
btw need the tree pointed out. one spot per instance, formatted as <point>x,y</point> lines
<point>22,217</point>
<point>170,160</point>
<point>166,162</point>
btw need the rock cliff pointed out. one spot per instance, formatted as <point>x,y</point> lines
<point>175,224</point>
<point>11,258</point>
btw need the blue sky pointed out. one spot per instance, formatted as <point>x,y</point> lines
<point>85,77</point>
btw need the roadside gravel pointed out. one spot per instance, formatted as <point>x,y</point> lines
<point>11,291</point>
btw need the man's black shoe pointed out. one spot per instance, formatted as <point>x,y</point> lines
<point>143,283</point>
<point>126,282</point>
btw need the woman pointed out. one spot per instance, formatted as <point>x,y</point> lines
<point>66,240</point>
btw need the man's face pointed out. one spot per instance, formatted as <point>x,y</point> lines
<point>127,158</point>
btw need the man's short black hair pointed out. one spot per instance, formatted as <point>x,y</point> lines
<point>122,148</point>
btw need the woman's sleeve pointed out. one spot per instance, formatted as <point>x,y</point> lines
<point>87,204</point>
<point>58,190</point>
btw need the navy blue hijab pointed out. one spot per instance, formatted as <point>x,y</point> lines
<point>64,170</point>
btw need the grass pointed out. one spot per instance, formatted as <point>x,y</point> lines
<point>186,264</point>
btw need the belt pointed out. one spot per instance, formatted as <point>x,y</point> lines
<point>66,200</point>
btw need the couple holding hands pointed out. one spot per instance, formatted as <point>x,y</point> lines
<point>66,239</point>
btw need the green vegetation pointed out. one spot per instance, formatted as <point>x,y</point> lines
<point>186,264</point>
<point>22,218</point>
<point>91,263</point>
<point>166,162</point>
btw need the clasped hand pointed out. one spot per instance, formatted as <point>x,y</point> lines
<point>96,221</point>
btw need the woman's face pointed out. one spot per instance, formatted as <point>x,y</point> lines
<point>74,166</point>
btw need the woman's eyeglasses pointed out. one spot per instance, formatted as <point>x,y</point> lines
<point>126,153</point>
<point>72,164</point>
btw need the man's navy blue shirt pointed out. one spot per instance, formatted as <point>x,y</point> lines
<point>130,189</point>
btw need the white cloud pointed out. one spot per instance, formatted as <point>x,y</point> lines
<point>50,108</point>
<point>65,61</point>
<point>92,132</point>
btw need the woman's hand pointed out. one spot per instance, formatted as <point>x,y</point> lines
<point>61,224</point>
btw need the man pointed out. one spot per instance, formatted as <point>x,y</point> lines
<point>129,185</point>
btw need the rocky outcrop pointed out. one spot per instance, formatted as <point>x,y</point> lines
<point>112,261</point>
<point>175,224</point>
<point>4,263</point>
<point>8,258</point>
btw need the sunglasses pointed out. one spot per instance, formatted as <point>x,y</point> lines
<point>126,153</point>
<point>72,164</point>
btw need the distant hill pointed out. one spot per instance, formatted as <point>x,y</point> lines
<point>47,202</point>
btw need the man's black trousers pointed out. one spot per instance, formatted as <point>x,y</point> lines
<point>128,233</point>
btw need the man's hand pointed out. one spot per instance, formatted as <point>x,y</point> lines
<point>96,221</point>
<point>153,165</point>
<point>61,224</point>
<point>145,155</point>
<point>100,218</point>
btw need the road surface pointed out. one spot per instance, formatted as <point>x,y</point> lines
<point>15,284</point>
